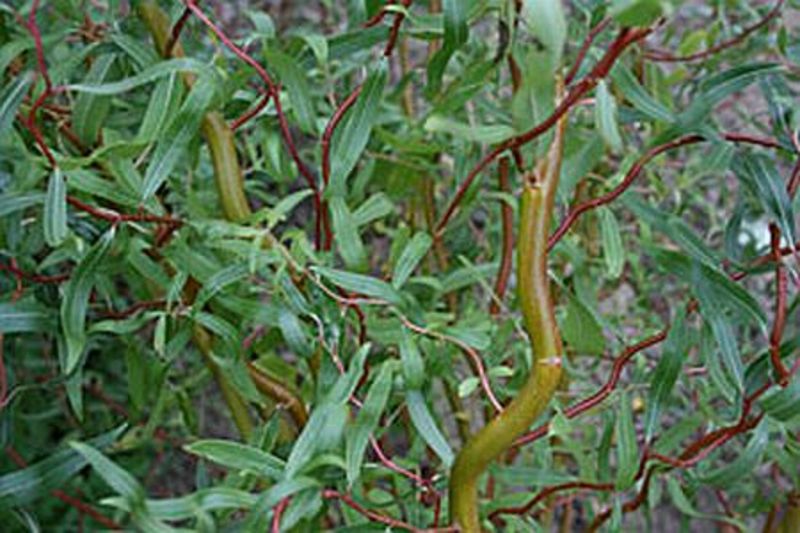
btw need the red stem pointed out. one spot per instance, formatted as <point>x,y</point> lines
<point>667,57</point>
<point>626,37</point>
<point>507,252</point>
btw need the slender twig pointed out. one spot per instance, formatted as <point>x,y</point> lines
<point>668,57</point>
<point>507,250</point>
<point>624,39</point>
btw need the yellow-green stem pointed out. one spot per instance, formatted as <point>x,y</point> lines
<point>496,437</point>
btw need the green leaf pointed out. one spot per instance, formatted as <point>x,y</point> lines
<point>376,206</point>
<point>184,507</point>
<point>729,294</point>
<point>181,131</point>
<point>685,506</point>
<point>351,137</point>
<point>546,19</point>
<point>637,95</point>
<point>413,365</point>
<point>35,481</point>
<point>91,109</point>
<point>163,105</point>
<point>666,374</point>
<point>605,117</point>
<point>76,299</point>
<point>675,228</point>
<point>412,254</point>
<point>11,98</point>
<point>345,231</point>
<point>718,87</point>
<point>426,426</point>
<point>744,465</point>
<point>456,33</point>
<point>491,134</point>
<point>783,404</point>
<point>237,456</point>
<point>766,184</point>
<point>322,431</point>
<point>581,328</point>
<point>118,479</point>
<point>636,12</point>
<point>25,317</point>
<point>151,74</point>
<point>613,249</point>
<point>627,447</point>
<point>54,220</point>
<point>367,421</point>
<point>296,84</point>
<point>11,202</point>
<point>361,284</point>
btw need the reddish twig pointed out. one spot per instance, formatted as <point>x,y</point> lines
<point>255,110</point>
<point>175,34</point>
<point>132,310</point>
<point>637,168</point>
<point>602,393</point>
<point>624,39</point>
<point>781,289</point>
<point>549,491</point>
<point>584,49</point>
<point>667,57</point>
<point>277,513</point>
<point>507,252</point>
<point>613,194</point>
<point>395,31</point>
<point>36,278</point>
<point>330,494</point>
<point>327,135</point>
<point>274,90</point>
<point>116,218</point>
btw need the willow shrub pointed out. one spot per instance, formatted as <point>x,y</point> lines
<point>471,264</point>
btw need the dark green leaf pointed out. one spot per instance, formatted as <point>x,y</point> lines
<point>54,220</point>
<point>76,299</point>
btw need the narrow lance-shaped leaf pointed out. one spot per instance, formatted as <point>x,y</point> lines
<point>76,299</point>
<point>605,117</point>
<point>350,138</point>
<point>151,74</point>
<point>294,79</point>
<point>11,98</point>
<point>412,254</point>
<point>235,455</point>
<point>361,284</point>
<point>627,448</point>
<point>413,365</point>
<point>744,464</point>
<point>665,374</point>
<point>760,175</point>
<point>24,486</point>
<point>456,33</point>
<point>162,107</point>
<point>627,83</point>
<point>118,479</point>
<point>427,428</point>
<point>54,221</point>
<point>367,420</point>
<point>25,317</point>
<point>180,132</point>
<point>91,109</point>
<point>346,235</point>
<point>613,249</point>
<point>547,20</point>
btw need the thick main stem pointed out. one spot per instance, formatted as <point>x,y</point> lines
<point>497,436</point>
<point>230,185</point>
